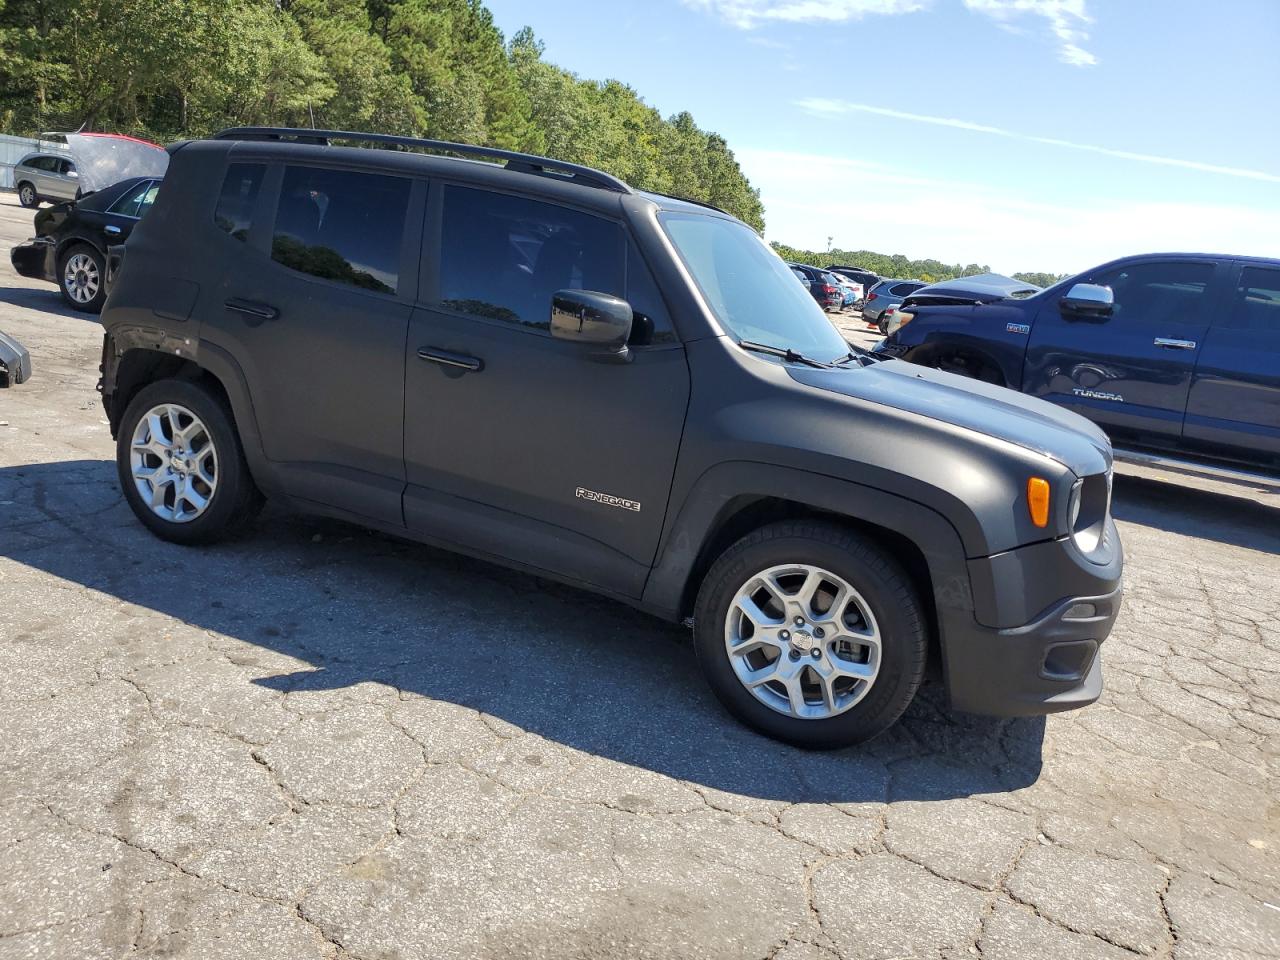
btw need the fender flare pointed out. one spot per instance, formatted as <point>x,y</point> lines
<point>719,492</point>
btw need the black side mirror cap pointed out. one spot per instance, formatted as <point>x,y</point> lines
<point>593,319</point>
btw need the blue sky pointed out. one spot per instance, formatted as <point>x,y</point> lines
<point>1027,134</point>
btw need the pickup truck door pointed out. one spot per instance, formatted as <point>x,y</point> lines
<point>1234,406</point>
<point>519,445</point>
<point>1130,372</point>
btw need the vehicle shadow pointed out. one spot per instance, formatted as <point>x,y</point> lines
<point>571,667</point>
<point>44,299</point>
<point>1206,515</point>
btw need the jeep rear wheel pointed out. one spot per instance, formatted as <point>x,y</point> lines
<point>181,465</point>
<point>810,634</point>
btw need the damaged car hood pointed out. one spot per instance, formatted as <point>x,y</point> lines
<point>106,158</point>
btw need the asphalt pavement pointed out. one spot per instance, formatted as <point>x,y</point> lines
<point>320,742</point>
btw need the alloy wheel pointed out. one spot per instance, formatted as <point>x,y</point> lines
<point>80,278</point>
<point>27,195</point>
<point>803,641</point>
<point>174,463</point>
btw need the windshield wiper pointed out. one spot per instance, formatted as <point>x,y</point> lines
<point>865,357</point>
<point>785,352</point>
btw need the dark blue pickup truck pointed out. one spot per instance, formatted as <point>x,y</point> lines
<point>1176,356</point>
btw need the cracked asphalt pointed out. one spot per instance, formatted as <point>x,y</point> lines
<point>318,742</point>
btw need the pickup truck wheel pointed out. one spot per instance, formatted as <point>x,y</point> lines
<point>27,195</point>
<point>82,276</point>
<point>810,634</point>
<point>181,465</point>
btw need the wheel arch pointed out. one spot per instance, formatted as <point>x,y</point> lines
<point>133,359</point>
<point>931,351</point>
<point>731,499</point>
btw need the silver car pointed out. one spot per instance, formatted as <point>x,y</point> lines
<point>45,176</point>
<point>886,294</point>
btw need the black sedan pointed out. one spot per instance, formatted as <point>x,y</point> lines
<point>70,245</point>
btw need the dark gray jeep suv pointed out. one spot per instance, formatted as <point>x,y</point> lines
<point>535,364</point>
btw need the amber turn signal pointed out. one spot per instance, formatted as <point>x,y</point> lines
<point>1038,501</point>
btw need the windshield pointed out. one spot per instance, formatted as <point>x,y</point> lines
<point>752,292</point>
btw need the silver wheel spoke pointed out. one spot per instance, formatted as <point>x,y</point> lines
<point>802,663</point>
<point>176,482</point>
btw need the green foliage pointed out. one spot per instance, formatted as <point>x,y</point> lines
<point>1041,279</point>
<point>183,68</point>
<point>896,266</point>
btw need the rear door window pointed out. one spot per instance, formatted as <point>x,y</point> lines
<point>1256,304</point>
<point>503,257</point>
<point>1161,292</point>
<point>131,203</point>
<point>341,225</point>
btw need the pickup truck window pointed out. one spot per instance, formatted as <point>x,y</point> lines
<point>1162,292</point>
<point>1257,301</point>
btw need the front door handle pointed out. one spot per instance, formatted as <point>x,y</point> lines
<point>251,308</point>
<point>450,359</point>
<point>1170,344</point>
<point>111,229</point>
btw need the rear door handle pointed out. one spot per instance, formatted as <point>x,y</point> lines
<point>451,359</point>
<point>1170,344</point>
<point>251,308</point>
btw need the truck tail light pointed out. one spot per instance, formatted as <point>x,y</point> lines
<point>1038,501</point>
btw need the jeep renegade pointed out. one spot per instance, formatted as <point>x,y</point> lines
<point>533,363</point>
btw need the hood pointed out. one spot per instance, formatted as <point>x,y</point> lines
<point>981,288</point>
<point>106,158</point>
<point>1034,424</point>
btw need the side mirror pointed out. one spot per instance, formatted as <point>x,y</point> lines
<point>593,319</point>
<point>1088,300</point>
<point>72,173</point>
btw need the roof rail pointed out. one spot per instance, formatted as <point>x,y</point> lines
<point>699,203</point>
<point>520,162</point>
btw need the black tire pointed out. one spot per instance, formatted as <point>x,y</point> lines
<point>884,586</point>
<point>94,304</point>
<point>27,195</point>
<point>235,499</point>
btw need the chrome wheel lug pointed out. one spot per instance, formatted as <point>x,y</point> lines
<point>819,632</point>
<point>784,634</point>
<point>799,621</point>
<point>795,654</point>
<point>815,653</point>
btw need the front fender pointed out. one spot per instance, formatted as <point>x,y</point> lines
<point>716,492</point>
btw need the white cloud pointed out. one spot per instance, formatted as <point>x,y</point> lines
<point>828,107</point>
<point>1067,19</point>
<point>747,14</point>
<point>872,207</point>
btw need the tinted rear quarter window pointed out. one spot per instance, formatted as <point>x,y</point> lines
<point>235,202</point>
<point>1256,303</point>
<point>503,257</point>
<point>341,225</point>
<point>902,289</point>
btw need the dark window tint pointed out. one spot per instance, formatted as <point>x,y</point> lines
<point>341,225</point>
<point>902,289</point>
<point>42,163</point>
<point>136,201</point>
<point>652,323</point>
<point>800,275</point>
<point>239,194</point>
<point>1257,300</point>
<point>1169,292</point>
<point>504,257</point>
<point>66,166</point>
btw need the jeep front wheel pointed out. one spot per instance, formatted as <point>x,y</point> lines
<point>181,465</point>
<point>810,634</point>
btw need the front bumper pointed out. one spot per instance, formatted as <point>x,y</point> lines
<point>1032,644</point>
<point>35,259</point>
<point>1048,665</point>
<point>15,362</point>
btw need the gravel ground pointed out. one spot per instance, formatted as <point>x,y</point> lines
<point>320,742</point>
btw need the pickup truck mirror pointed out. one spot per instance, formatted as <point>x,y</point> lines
<point>1088,300</point>
<point>593,319</point>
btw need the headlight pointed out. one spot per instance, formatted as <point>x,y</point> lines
<point>1073,506</point>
